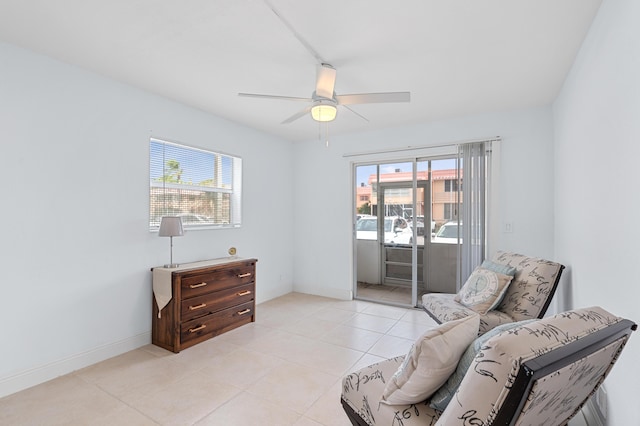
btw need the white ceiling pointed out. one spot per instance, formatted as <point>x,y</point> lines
<point>456,57</point>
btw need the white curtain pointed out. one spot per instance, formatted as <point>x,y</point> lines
<point>473,178</point>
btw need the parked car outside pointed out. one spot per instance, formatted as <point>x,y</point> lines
<point>194,218</point>
<point>448,233</point>
<point>396,229</point>
<point>420,225</point>
<point>190,219</point>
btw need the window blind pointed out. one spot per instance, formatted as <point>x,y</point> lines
<point>202,187</point>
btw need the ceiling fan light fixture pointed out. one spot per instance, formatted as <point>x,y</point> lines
<point>324,112</point>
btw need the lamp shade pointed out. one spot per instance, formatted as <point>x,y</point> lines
<point>171,226</point>
<point>324,111</point>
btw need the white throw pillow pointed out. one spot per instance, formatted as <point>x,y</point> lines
<point>430,362</point>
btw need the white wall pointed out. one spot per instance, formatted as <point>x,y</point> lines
<point>76,144</point>
<point>597,204</point>
<point>76,252</point>
<point>323,222</point>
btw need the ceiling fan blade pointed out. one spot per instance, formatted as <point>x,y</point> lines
<point>373,98</point>
<point>357,113</point>
<point>284,98</point>
<point>325,81</point>
<point>297,115</point>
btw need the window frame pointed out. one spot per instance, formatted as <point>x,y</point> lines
<point>234,171</point>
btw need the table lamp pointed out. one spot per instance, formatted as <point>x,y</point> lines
<point>171,226</point>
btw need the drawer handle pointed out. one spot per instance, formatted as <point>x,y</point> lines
<point>200,306</point>
<point>201,327</point>
<point>243,293</point>
<point>246,311</point>
<point>248,274</point>
<point>197,285</point>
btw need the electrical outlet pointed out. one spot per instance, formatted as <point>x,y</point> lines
<point>508,227</point>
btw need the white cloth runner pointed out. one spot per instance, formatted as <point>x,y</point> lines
<point>162,278</point>
<point>162,287</point>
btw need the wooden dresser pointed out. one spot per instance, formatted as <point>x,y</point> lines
<point>206,299</point>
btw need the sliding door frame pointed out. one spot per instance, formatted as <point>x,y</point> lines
<point>414,155</point>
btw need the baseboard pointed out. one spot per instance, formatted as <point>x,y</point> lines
<point>333,293</point>
<point>591,414</point>
<point>35,376</point>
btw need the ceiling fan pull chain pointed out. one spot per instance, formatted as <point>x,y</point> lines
<point>327,134</point>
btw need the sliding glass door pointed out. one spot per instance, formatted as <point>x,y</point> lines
<point>401,249</point>
<point>392,209</point>
<point>409,229</point>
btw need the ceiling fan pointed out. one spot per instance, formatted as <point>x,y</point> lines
<point>323,103</point>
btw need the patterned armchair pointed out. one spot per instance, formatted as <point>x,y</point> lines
<point>540,372</point>
<point>528,296</point>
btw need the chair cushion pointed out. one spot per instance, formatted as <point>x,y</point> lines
<point>499,360</point>
<point>585,375</point>
<point>497,267</point>
<point>430,361</point>
<point>362,391</point>
<point>442,307</point>
<point>531,288</point>
<point>483,290</point>
<point>441,398</point>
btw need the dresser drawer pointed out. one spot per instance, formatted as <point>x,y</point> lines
<point>216,280</point>
<point>216,323</point>
<point>198,306</point>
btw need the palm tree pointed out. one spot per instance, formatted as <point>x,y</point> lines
<point>173,172</point>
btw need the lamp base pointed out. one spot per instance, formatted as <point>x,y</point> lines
<point>172,265</point>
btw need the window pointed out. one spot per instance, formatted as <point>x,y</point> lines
<point>451,185</point>
<point>450,211</point>
<point>201,187</point>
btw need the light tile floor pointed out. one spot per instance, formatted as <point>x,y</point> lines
<point>386,293</point>
<point>284,369</point>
